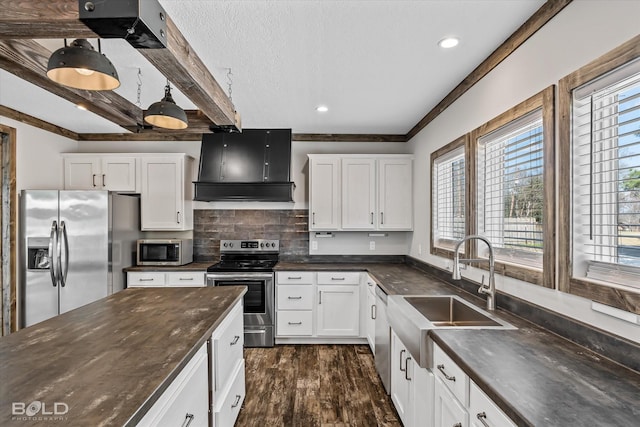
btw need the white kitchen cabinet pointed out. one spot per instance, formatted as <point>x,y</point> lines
<point>294,303</point>
<point>371,313</point>
<point>186,399</point>
<point>401,368</point>
<point>100,172</point>
<point>146,279</point>
<point>395,194</point>
<point>448,410</point>
<point>338,310</point>
<point>324,196</point>
<point>358,194</point>
<point>165,198</point>
<point>482,408</point>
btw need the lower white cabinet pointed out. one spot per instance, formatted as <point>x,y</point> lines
<point>448,410</point>
<point>483,411</point>
<point>142,279</point>
<point>186,400</point>
<point>338,310</point>
<point>371,313</point>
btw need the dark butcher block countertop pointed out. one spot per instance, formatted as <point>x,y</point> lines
<point>193,266</point>
<point>536,377</point>
<point>109,361</point>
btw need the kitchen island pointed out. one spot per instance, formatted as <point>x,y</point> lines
<point>108,362</point>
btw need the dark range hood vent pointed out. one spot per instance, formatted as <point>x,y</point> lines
<point>250,166</point>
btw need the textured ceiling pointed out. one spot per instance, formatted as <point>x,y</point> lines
<point>375,64</point>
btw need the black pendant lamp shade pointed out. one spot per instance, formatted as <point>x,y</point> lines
<point>166,114</point>
<point>80,66</point>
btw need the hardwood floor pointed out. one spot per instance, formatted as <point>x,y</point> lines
<point>314,385</point>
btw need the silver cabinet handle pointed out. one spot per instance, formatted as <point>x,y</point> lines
<point>186,278</point>
<point>187,420</point>
<point>294,277</point>
<point>457,425</point>
<point>337,278</point>
<point>371,217</point>
<point>441,369</point>
<point>103,183</point>
<point>146,280</point>
<point>235,340</point>
<point>319,297</point>
<point>237,402</point>
<point>295,323</point>
<point>178,217</point>
<point>481,417</point>
<point>374,311</point>
<point>381,217</point>
<point>294,297</point>
<point>93,180</point>
<point>401,353</point>
<point>406,368</point>
<point>313,218</point>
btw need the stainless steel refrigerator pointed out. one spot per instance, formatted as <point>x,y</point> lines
<point>73,246</point>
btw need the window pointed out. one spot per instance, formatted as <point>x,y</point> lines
<point>606,178</point>
<point>448,197</point>
<point>511,192</point>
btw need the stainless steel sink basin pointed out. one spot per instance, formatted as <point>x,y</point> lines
<point>413,316</point>
<point>449,311</point>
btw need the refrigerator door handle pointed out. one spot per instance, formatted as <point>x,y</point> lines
<point>53,244</point>
<point>63,275</point>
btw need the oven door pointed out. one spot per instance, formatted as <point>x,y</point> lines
<point>258,304</point>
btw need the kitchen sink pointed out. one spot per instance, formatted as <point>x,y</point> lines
<point>413,316</point>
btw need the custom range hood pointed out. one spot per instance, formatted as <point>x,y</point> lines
<point>250,166</point>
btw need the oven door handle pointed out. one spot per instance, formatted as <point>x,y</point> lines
<point>239,277</point>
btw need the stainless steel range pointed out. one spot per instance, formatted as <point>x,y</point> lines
<point>250,263</point>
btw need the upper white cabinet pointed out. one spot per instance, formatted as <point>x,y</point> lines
<point>360,192</point>
<point>165,199</point>
<point>100,172</point>
<point>324,196</point>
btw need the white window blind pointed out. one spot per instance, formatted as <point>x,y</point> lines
<point>606,178</point>
<point>511,190</point>
<point>448,190</point>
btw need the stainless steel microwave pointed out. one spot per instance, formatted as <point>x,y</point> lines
<point>164,251</point>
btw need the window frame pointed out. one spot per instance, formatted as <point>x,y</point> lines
<point>610,294</point>
<point>461,142</point>
<point>544,101</point>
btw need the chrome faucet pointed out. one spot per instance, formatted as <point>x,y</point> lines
<point>490,290</point>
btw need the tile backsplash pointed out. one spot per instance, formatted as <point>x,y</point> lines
<point>211,225</point>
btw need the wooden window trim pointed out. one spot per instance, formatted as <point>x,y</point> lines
<point>614,296</point>
<point>8,301</point>
<point>544,100</point>
<point>462,141</point>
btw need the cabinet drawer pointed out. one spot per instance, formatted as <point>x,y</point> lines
<point>481,407</point>
<point>451,375</point>
<point>186,398</point>
<point>295,297</point>
<point>294,277</point>
<point>185,278</point>
<point>228,341</point>
<point>294,323</point>
<point>150,279</point>
<point>227,409</point>
<point>338,278</point>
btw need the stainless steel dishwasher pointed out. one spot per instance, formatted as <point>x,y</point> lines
<point>383,340</point>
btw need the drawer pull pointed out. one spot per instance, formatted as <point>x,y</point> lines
<point>187,420</point>
<point>294,277</point>
<point>374,311</point>
<point>237,402</point>
<point>93,180</point>
<point>337,278</point>
<point>406,369</point>
<point>295,323</point>
<point>186,278</point>
<point>103,183</point>
<point>146,280</point>
<point>294,297</point>
<point>481,417</point>
<point>235,340</point>
<point>401,353</point>
<point>441,369</point>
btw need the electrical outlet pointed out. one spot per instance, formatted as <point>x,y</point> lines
<point>314,245</point>
<point>372,246</point>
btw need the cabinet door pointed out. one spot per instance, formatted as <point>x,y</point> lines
<point>118,174</point>
<point>161,198</point>
<point>147,279</point>
<point>448,411</point>
<point>358,194</point>
<point>400,385</point>
<point>324,201</point>
<point>338,310</point>
<point>395,194</point>
<point>82,173</point>
<point>422,396</point>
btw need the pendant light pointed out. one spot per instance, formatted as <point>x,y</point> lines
<point>80,66</point>
<point>165,113</point>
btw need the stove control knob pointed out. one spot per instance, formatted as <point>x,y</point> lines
<point>230,245</point>
<point>273,245</point>
<point>225,244</point>
<point>262,245</point>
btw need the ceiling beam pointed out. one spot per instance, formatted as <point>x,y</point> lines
<point>10,113</point>
<point>543,15</point>
<point>50,19</point>
<point>347,137</point>
<point>28,59</point>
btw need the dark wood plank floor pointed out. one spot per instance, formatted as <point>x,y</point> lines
<point>314,385</point>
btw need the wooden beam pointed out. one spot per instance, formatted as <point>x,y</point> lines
<point>28,59</point>
<point>543,15</point>
<point>346,137</point>
<point>36,122</point>
<point>143,136</point>
<point>57,19</point>
<point>184,68</point>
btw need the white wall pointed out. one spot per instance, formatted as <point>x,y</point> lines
<point>559,48</point>
<point>299,163</point>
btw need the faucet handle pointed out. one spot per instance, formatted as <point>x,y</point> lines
<point>483,289</point>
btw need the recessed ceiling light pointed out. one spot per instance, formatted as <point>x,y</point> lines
<point>448,42</point>
<point>322,108</point>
